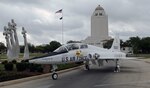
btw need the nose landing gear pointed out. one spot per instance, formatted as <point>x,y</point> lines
<point>117,68</point>
<point>54,74</point>
<point>86,64</point>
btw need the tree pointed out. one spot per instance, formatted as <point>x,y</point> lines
<point>135,43</point>
<point>21,48</point>
<point>54,45</point>
<point>31,48</point>
<point>145,45</point>
<point>40,48</point>
<point>108,43</point>
<point>2,47</point>
<point>71,41</point>
<point>44,48</point>
<point>47,48</point>
<point>127,43</point>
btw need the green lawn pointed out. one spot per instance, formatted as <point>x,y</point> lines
<point>35,54</point>
<point>145,56</point>
<point>1,67</point>
<point>3,56</point>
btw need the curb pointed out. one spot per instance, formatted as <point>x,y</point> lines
<point>6,83</point>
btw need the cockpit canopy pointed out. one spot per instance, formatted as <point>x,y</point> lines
<point>71,46</point>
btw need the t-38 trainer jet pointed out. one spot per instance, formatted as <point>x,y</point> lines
<point>77,52</point>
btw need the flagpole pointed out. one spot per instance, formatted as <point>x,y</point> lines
<point>62,28</point>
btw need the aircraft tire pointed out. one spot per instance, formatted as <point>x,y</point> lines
<point>87,67</point>
<point>54,76</point>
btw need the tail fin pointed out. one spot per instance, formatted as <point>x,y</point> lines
<point>116,44</point>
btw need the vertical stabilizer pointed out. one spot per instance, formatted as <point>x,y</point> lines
<point>116,44</point>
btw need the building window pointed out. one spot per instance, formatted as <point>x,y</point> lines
<point>96,14</point>
<point>100,14</point>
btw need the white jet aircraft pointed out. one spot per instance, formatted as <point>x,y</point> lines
<point>77,52</point>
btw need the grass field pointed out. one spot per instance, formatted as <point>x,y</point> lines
<point>145,56</point>
<point>4,57</point>
<point>1,67</point>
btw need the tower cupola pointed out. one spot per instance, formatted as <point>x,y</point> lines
<point>99,8</point>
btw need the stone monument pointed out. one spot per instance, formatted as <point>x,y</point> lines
<point>12,43</point>
<point>9,48</point>
<point>26,49</point>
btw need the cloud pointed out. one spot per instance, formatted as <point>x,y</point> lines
<point>126,17</point>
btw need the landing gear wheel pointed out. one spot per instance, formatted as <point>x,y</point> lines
<point>117,68</point>
<point>87,67</point>
<point>54,76</point>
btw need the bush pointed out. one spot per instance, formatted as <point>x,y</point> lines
<point>14,61</point>
<point>25,61</point>
<point>8,66</point>
<point>21,66</point>
<point>39,69</point>
<point>27,65</point>
<point>4,62</point>
<point>79,63</point>
<point>35,68</point>
<point>4,76</point>
<point>32,67</point>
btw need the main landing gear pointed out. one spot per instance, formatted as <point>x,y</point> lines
<point>117,68</point>
<point>54,74</point>
<point>87,67</point>
<point>86,64</point>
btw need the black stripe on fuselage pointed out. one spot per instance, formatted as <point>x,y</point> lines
<point>49,54</point>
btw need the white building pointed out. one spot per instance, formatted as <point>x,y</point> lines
<point>99,27</point>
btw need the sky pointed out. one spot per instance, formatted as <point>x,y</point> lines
<point>128,18</point>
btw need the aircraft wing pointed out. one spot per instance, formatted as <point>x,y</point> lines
<point>108,55</point>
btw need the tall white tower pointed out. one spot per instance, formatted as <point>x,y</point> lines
<point>99,24</point>
<point>99,27</point>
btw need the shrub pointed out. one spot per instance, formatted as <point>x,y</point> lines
<point>8,66</point>
<point>79,63</point>
<point>39,69</point>
<point>4,76</point>
<point>4,62</point>
<point>27,65</point>
<point>35,68</point>
<point>14,61</point>
<point>21,66</point>
<point>25,61</point>
<point>32,67</point>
